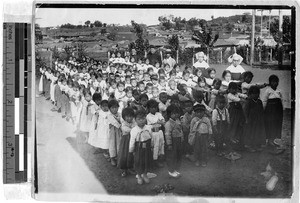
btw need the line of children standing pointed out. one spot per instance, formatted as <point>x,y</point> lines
<point>162,117</point>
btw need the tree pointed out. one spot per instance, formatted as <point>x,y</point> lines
<point>257,28</point>
<point>38,34</point>
<point>179,23</point>
<point>112,35</point>
<point>285,36</point>
<point>68,50</point>
<point>98,23</point>
<point>87,23</point>
<point>229,27</point>
<point>104,24</point>
<point>246,18</point>
<point>205,38</point>
<point>93,34</point>
<point>92,25</point>
<point>81,50</point>
<point>166,21</point>
<point>174,42</point>
<point>141,44</point>
<point>68,26</point>
<point>103,31</point>
<point>39,63</point>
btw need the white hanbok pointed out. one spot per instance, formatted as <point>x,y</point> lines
<point>41,80</point>
<point>52,87</point>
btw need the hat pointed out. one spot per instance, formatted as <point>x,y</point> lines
<point>201,54</point>
<point>199,107</point>
<point>168,51</point>
<point>154,77</point>
<point>236,57</point>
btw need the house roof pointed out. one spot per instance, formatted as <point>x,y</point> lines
<point>226,43</point>
<point>158,42</point>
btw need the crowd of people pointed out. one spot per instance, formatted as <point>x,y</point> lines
<point>145,112</point>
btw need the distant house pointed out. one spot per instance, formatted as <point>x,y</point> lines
<point>240,26</point>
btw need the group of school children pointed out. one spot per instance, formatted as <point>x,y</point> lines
<point>142,115</point>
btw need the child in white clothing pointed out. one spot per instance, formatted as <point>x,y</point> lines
<point>156,120</point>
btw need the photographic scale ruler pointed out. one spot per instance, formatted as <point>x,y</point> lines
<point>17,73</point>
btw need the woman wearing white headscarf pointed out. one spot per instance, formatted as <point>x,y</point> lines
<point>235,68</point>
<point>201,63</point>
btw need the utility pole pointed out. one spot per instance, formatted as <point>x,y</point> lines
<point>270,22</point>
<point>261,21</point>
<point>280,21</point>
<point>252,38</point>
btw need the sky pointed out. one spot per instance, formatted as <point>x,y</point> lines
<point>47,17</point>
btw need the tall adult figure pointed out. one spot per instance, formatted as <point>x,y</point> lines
<point>201,63</point>
<point>169,60</point>
<point>235,68</point>
<point>134,55</point>
<point>153,56</point>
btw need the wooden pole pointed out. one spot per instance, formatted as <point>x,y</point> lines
<point>177,56</point>
<point>247,57</point>
<point>193,57</point>
<point>221,56</point>
<point>252,38</point>
<point>207,55</point>
<point>51,59</point>
<point>271,57</point>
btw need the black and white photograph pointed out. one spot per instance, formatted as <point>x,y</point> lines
<point>164,100</point>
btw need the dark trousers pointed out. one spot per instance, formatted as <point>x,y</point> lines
<point>221,136</point>
<point>174,156</point>
<point>187,148</point>
<point>47,87</point>
<point>201,147</point>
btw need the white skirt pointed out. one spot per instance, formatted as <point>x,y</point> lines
<point>99,135</point>
<point>41,84</point>
<point>52,88</point>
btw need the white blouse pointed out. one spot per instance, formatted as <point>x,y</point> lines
<point>271,94</point>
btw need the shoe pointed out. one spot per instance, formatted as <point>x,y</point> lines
<point>53,109</point>
<point>204,164</point>
<point>48,98</point>
<point>179,174</point>
<point>151,175</point>
<point>63,116</point>
<point>123,174</point>
<point>113,162</point>
<point>145,178</point>
<point>59,110</point>
<point>197,164</point>
<point>173,174</point>
<point>139,180</point>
